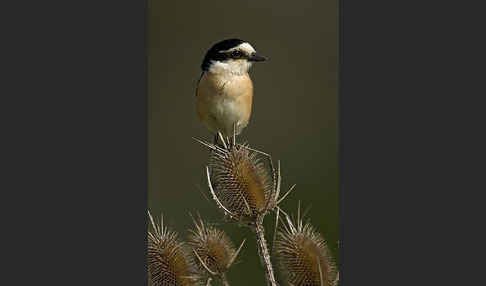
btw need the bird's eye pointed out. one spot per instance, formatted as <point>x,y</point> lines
<point>236,54</point>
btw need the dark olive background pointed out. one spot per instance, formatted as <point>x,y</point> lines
<point>294,114</point>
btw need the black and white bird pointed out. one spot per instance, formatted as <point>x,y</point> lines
<point>225,91</point>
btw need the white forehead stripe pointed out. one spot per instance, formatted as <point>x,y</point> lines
<point>247,48</point>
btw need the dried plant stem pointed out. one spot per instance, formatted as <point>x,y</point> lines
<point>263,251</point>
<point>224,281</point>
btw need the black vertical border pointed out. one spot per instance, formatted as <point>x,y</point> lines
<point>341,145</point>
<point>409,126</point>
<point>74,105</point>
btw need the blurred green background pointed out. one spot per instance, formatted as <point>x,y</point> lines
<point>294,114</point>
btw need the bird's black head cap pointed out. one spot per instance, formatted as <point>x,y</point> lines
<point>213,54</point>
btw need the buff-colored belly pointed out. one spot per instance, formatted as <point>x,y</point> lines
<point>223,104</point>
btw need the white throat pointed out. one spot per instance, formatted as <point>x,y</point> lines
<point>230,67</point>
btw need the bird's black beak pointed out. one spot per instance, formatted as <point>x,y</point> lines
<point>257,58</point>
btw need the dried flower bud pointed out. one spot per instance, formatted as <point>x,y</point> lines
<point>303,256</point>
<point>169,262</point>
<point>241,182</point>
<point>213,250</point>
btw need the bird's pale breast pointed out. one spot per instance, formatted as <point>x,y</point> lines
<point>222,101</point>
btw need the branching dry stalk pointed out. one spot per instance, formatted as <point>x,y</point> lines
<point>245,191</point>
<point>260,236</point>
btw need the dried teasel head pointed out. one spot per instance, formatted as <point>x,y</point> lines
<point>213,250</point>
<point>240,182</point>
<point>168,259</point>
<point>303,256</point>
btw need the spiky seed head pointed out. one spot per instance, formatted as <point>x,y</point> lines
<point>213,247</point>
<point>303,256</point>
<point>168,259</point>
<point>241,182</point>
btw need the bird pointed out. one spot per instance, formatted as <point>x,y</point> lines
<point>224,91</point>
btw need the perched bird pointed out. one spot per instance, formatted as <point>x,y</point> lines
<point>225,91</point>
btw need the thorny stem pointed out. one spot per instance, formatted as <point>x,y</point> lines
<point>263,251</point>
